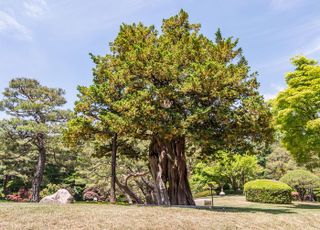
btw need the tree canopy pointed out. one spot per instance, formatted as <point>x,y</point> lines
<point>170,87</point>
<point>179,83</point>
<point>297,111</point>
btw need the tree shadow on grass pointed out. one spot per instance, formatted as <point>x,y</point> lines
<point>306,206</point>
<point>250,210</point>
<point>289,209</point>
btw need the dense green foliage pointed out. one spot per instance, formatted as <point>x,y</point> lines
<point>234,170</point>
<point>302,181</point>
<point>171,87</point>
<point>175,83</point>
<point>278,163</point>
<point>316,192</point>
<point>268,191</point>
<point>297,112</point>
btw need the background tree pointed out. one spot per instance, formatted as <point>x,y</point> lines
<point>37,118</point>
<point>297,112</point>
<point>278,163</point>
<point>175,87</point>
<point>302,181</point>
<point>16,158</point>
<point>234,170</point>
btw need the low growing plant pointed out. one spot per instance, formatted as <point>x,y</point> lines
<point>268,191</point>
<point>50,189</point>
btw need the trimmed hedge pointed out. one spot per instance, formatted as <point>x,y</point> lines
<point>268,191</point>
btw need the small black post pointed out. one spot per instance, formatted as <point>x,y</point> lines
<point>211,191</point>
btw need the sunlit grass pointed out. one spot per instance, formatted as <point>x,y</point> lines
<point>229,213</point>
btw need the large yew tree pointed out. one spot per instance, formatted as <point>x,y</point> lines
<point>36,119</point>
<point>175,86</point>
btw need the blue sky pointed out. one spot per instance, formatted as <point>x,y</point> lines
<point>50,39</point>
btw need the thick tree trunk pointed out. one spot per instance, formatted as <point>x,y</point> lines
<point>113,169</point>
<point>38,175</point>
<point>169,171</point>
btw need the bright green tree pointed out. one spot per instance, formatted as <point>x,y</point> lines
<point>297,111</point>
<point>235,170</point>
<point>37,117</point>
<point>172,87</point>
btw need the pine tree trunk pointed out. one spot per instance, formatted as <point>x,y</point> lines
<point>113,199</point>
<point>169,171</point>
<point>38,176</point>
<point>6,179</point>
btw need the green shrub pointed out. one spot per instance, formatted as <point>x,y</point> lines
<point>49,190</point>
<point>204,193</point>
<point>302,181</point>
<point>268,191</point>
<point>1,194</point>
<point>316,192</point>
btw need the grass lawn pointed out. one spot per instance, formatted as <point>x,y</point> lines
<point>230,212</point>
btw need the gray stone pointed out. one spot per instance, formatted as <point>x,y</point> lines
<point>62,196</point>
<point>203,202</point>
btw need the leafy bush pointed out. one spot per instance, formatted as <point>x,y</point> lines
<point>93,193</point>
<point>23,195</point>
<point>50,189</point>
<point>268,191</point>
<point>295,196</point>
<point>204,193</point>
<point>302,181</point>
<point>316,192</point>
<point>1,193</point>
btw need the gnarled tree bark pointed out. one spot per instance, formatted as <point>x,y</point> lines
<point>169,171</point>
<point>125,189</point>
<point>38,175</point>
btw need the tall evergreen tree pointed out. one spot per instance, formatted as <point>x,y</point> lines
<point>173,87</point>
<point>37,117</point>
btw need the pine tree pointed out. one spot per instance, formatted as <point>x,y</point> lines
<point>37,117</point>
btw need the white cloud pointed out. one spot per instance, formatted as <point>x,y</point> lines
<point>268,96</point>
<point>12,15</point>
<point>35,8</point>
<point>9,26</point>
<point>276,89</point>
